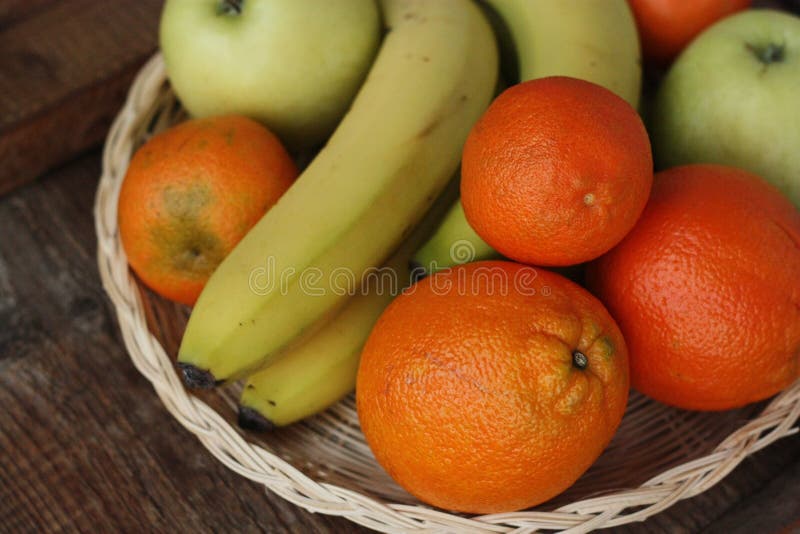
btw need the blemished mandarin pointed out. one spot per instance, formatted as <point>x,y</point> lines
<point>191,193</point>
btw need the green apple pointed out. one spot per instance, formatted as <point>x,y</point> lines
<point>733,97</point>
<point>294,65</point>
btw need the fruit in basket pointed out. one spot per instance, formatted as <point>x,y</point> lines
<point>706,289</point>
<point>667,26</point>
<point>556,171</point>
<point>593,40</point>
<point>295,65</point>
<point>390,157</point>
<point>732,98</point>
<point>191,193</point>
<point>455,242</point>
<point>491,387</point>
<point>312,376</point>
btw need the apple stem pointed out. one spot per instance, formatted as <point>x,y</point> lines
<point>230,7</point>
<point>771,53</point>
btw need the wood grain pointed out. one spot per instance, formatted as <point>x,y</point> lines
<point>14,11</point>
<point>85,444</point>
<point>65,68</point>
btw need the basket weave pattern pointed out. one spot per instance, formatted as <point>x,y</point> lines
<point>659,456</point>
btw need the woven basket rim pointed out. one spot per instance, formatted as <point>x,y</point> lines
<point>277,475</point>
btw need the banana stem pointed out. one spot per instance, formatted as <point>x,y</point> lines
<point>230,7</point>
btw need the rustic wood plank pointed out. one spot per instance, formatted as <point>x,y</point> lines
<point>64,72</point>
<point>775,507</point>
<point>14,11</point>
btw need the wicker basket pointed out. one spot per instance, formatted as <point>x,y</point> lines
<point>659,456</point>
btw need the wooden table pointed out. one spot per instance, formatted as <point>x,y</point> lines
<point>85,445</point>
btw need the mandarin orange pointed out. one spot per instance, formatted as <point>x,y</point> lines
<point>706,289</point>
<point>667,26</point>
<point>191,193</point>
<point>556,172</point>
<point>491,387</point>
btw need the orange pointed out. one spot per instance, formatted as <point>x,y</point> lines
<point>706,289</point>
<point>491,387</point>
<point>556,172</point>
<point>667,26</point>
<point>191,193</point>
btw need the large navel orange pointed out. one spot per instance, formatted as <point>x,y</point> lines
<point>706,289</point>
<point>491,387</point>
<point>556,171</point>
<point>191,193</point>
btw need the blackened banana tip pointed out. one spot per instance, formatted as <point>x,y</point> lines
<point>195,377</point>
<point>250,419</point>
<point>417,271</point>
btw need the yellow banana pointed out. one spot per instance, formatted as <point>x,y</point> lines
<point>389,158</point>
<point>320,371</point>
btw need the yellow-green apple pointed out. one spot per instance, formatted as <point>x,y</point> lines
<point>733,97</point>
<point>295,65</point>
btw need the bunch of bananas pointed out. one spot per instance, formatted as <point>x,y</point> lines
<point>275,310</point>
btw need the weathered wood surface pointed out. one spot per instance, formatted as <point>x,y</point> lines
<point>65,67</point>
<point>85,444</point>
